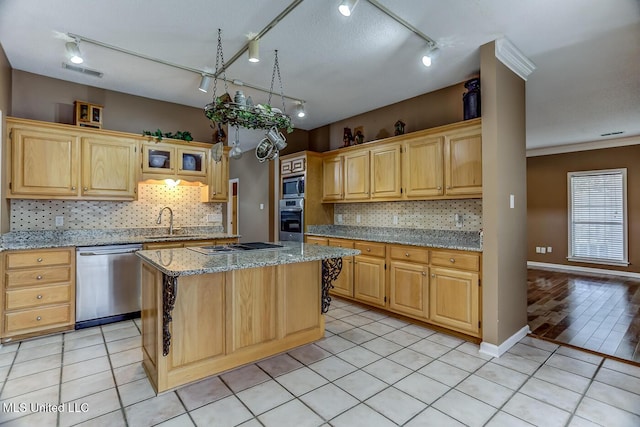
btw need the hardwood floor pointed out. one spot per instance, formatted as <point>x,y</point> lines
<point>599,313</point>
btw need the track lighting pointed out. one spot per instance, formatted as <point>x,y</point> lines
<point>346,7</point>
<point>300,110</point>
<point>254,50</point>
<point>205,83</point>
<point>74,52</point>
<point>430,54</point>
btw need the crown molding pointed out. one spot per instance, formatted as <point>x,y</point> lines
<point>509,55</point>
<point>584,146</point>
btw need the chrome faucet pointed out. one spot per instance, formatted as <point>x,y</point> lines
<point>159,221</point>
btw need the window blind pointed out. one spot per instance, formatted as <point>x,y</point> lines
<point>598,216</point>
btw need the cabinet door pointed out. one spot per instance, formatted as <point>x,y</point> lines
<point>463,163</point>
<point>343,285</point>
<point>422,162</point>
<point>332,184</point>
<point>109,167</point>
<point>356,175</point>
<point>409,289</point>
<point>455,300</point>
<point>219,180</point>
<point>385,172</point>
<point>158,159</point>
<point>44,163</point>
<point>369,283</point>
<point>192,162</point>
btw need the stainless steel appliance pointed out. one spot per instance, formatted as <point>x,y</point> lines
<point>107,284</point>
<point>236,247</point>
<point>293,187</point>
<point>292,220</point>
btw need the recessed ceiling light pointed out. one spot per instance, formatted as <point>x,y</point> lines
<point>347,6</point>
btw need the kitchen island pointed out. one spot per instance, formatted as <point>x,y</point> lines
<point>204,314</point>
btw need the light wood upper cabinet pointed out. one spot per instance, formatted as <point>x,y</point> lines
<point>332,188</point>
<point>422,167</point>
<point>43,162</point>
<point>463,162</point>
<point>172,160</point>
<point>217,188</point>
<point>294,165</point>
<point>356,175</point>
<point>109,167</point>
<point>385,172</point>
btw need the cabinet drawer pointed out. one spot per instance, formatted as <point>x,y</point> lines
<point>38,318</point>
<point>341,243</point>
<point>37,276</point>
<point>285,167</point>
<point>313,240</point>
<point>37,258</point>
<point>189,243</point>
<point>410,253</point>
<point>369,248</point>
<point>23,298</point>
<point>298,165</point>
<point>456,260</point>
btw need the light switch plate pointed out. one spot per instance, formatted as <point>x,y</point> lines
<point>59,221</point>
<point>211,217</point>
<point>358,218</point>
<point>340,218</point>
<point>395,220</point>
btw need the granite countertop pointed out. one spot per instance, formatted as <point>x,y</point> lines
<point>64,238</point>
<point>446,239</point>
<point>187,262</point>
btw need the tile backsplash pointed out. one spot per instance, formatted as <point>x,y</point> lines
<point>185,202</point>
<point>424,214</point>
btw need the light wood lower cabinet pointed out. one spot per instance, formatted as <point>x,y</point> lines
<point>409,281</point>
<point>369,274</point>
<point>39,292</point>
<point>455,299</point>
<point>225,320</point>
<point>187,243</point>
<point>343,285</point>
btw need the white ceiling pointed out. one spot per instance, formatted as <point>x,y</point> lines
<point>587,53</point>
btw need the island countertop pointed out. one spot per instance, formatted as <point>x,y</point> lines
<point>187,262</point>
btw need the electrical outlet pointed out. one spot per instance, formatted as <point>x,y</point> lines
<point>549,249</point>
<point>543,250</point>
<point>395,220</point>
<point>211,217</point>
<point>358,218</point>
<point>339,218</point>
<point>537,249</point>
<point>59,221</point>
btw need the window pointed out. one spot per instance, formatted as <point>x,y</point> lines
<point>598,216</point>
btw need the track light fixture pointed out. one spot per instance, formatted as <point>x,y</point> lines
<point>205,83</point>
<point>430,54</point>
<point>300,110</point>
<point>73,50</point>
<point>346,7</point>
<point>254,50</point>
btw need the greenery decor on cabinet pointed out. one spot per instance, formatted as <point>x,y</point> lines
<point>159,135</point>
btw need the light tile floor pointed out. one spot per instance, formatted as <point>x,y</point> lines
<point>370,370</point>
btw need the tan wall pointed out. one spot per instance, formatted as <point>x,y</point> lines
<point>253,189</point>
<point>43,98</point>
<point>5,109</point>
<point>425,111</point>
<point>548,206</point>
<point>504,283</point>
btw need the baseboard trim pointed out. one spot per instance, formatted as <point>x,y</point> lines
<point>498,350</point>
<point>579,269</point>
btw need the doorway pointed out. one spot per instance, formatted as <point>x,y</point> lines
<point>233,225</point>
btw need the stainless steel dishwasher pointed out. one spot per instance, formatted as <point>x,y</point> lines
<point>107,284</point>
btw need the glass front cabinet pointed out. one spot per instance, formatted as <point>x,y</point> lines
<point>166,160</point>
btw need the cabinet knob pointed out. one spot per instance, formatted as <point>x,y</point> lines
<point>39,318</point>
<point>452,260</point>
<point>368,249</point>
<point>39,260</point>
<point>439,188</point>
<point>39,277</point>
<point>39,297</point>
<point>214,193</point>
<point>424,273</point>
<point>86,188</point>
<point>406,254</point>
<point>73,188</point>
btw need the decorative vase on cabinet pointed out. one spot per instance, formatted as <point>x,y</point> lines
<point>471,99</point>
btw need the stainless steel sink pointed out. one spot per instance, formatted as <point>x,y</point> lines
<point>174,236</point>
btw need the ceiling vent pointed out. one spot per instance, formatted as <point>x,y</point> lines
<point>82,70</point>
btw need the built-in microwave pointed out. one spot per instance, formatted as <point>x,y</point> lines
<point>293,187</point>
